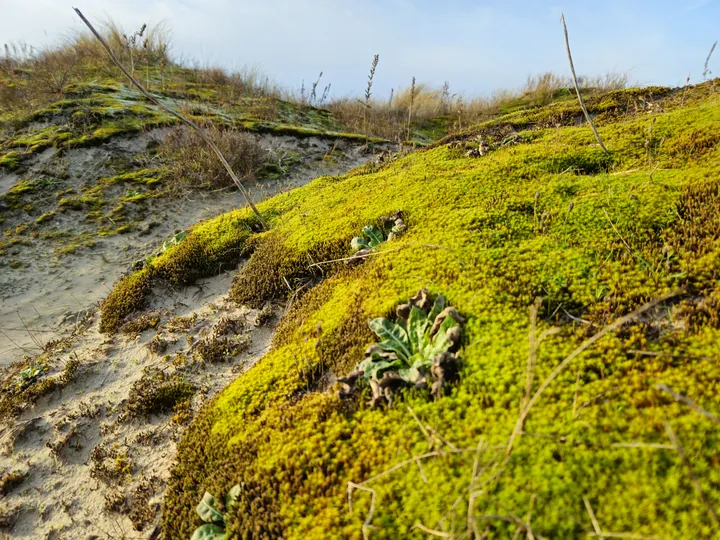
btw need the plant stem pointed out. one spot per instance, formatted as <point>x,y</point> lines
<point>577,88</point>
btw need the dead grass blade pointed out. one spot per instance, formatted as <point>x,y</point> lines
<point>690,403</point>
<point>696,483</point>
<point>577,88</point>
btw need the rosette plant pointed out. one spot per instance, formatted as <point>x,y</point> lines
<point>418,349</point>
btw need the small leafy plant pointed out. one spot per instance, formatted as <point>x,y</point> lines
<point>30,374</point>
<point>373,236</point>
<point>175,240</point>
<point>418,348</point>
<point>210,512</point>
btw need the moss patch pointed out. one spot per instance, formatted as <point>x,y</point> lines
<point>156,392</point>
<point>208,249</point>
<point>548,217</point>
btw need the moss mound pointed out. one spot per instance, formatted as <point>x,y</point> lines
<point>208,249</point>
<point>547,217</point>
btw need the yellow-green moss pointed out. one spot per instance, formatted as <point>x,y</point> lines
<point>208,248</point>
<point>147,177</point>
<point>551,217</point>
<point>10,160</point>
<point>127,297</point>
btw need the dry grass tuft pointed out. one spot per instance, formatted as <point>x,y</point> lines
<point>195,165</point>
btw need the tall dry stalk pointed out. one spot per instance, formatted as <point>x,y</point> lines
<point>445,97</point>
<point>410,109</point>
<point>577,87</point>
<point>368,94</point>
<point>313,92</point>
<point>177,115</point>
<point>707,71</point>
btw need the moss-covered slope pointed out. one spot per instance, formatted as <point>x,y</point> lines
<point>549,216</point>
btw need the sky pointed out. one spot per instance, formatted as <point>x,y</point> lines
<point>478,46</point>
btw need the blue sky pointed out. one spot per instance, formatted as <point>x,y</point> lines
<point>477,46</point>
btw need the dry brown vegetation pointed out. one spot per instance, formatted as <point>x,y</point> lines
<point>31,78</point>
<point>195,165</point>
<point>423,104</point>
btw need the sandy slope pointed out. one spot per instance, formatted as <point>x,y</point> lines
<point>49,290</point>
<point>63,494</point>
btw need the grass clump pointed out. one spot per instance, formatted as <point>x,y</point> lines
<point>491,235</point>
<point>194,164</point>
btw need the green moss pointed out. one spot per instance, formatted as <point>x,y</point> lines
<point>40,140</point>
<point>134,197</point>
<point>83,241</point>
<point>10,160</point>
<point>127,296</point>
<point>146,177</point>
<point>549,217</point>
<point>210,247</point>
<point>303,131</point>
<point>16,193</point>
<point>274,270</point>
<point>73,203</point>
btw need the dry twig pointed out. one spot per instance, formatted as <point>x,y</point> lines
<point>577,88</point>
<point>431,532</point>
<point>707,71</point>
<point>579,350</point>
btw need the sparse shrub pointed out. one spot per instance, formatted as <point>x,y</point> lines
<point>183,413</point>
<point>158,345</point>
<point>136,326</point>
<point>228,326</point>
<point>116,501</point>
<point>264,315</point>
<point>418,348</point>
<point>213,349</point>
<point>110,464</point>
<point>24,385</point>
<point>141,511</point>
<point>195,165</point>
